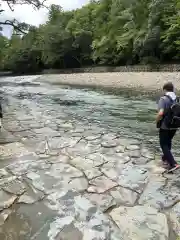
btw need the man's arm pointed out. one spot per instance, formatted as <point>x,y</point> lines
<point>161,107</point>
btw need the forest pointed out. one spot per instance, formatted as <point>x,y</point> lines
<point>104,32</point>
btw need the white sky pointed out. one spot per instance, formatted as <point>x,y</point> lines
<point>26,13</point>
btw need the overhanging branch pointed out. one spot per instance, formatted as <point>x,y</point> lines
<point>35,3</point>
<point>19,27</point>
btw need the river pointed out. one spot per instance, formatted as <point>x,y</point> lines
<point>130,115</point>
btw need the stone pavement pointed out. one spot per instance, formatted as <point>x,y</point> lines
<point>62,180</point>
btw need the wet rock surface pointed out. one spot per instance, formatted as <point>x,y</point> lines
<point>65,177</point>
<point>141,222</point>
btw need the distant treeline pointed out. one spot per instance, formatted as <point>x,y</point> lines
<point>102,33</point>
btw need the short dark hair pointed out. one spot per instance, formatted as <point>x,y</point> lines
<point>168,87</point>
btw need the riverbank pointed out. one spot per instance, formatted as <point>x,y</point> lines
<point>149,81</point>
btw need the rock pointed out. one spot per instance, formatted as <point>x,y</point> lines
<point>70,232</point>
<point>133,147</point>
<point>87,163</point>
<point>147,154</point>
<point>82,149</point>
<point>92,173</point>
<point>4,215</point>
<point>102,201</point>
<point>60,175</point>
<point>67,125</point>
<point>30,157</point>
<point>82,163</point>
<point>4,181</point>
<point>32,195</point>
<point>174,216</point>
<point>128,176</point>
<point>116,160</point>
<point>120,149</point>
<point>159,195</point>
<point>6,200</point>
<point>15,187</point>
<point>78,184</point>
<point>97,158</point>
<point>141,222</point>
<point>62,142</point>
<point>23,167</point>
<point>93,137</point>
<point>3,173</point>
<point>127,142</point>
<point>76,211</point>
<point>134,153</point>
<point>124,196</point>
<point>109,144</point>
<point>12,149</point>
<point>26,199</point>
<point>96,142</point>
<point>109,137</point>
<point>61,158</point>
<point>140,160</point>
<point>46,131</point>
<point>100,184</point>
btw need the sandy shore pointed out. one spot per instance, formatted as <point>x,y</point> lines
<point>146,80</point>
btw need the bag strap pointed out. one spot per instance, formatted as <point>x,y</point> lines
<point>170,98</point>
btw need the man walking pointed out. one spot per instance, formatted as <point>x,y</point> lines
<point>167,124</point>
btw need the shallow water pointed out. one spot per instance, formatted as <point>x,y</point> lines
<point>130,114</point>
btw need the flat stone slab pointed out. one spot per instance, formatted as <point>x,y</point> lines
<point>100,185</point>
<point>101,201</point>
<point>82,149</point>
<point>22,167</point>
<point>120,149</point>
<point>4,215</point>
<point>93,137</point>
<point>147,154</point>
<point>58,176</point>
<point>133,147</point>
<point>109,144</point>
<point>78,214</point>
<point>6,200</point>
<point>174,216</point>
<point>31,196</point>
<point>134,153</point>
<point>4,173</point>
<point>26,199</point>
<point>97,158</point>
<point>12,149</point>
<point>61,158</point>
<point>15,187</point>
<point>92,173</point>
<point>87,163</point>
<point>160,194</point>
<point>141,222</point>
<point>128,176</point>
<point>140,160</point>
<point>124,196</point>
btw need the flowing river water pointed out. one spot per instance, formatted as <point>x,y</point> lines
<point>38,113</point>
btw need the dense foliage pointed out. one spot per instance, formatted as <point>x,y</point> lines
<point>104,32</point>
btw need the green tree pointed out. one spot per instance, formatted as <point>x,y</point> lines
<point>104,32</point>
